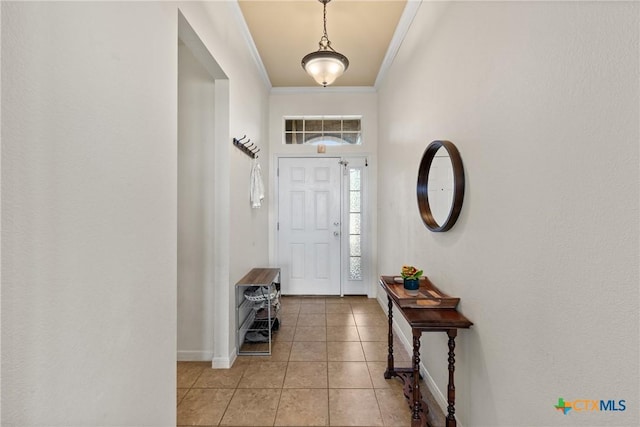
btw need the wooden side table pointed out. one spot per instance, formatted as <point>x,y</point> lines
<point>430,311</point>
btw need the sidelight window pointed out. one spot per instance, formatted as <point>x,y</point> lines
<point>355,222</point>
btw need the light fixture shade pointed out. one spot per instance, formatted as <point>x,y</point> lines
<point>325,66</point>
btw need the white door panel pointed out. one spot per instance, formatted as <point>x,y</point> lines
<point>309,225</point>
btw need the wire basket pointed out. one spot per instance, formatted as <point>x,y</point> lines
<point>261,293</point>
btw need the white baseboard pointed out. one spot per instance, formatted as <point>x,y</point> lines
<point>220,363</point>
<point>224,362</point>
<point>207,356</point>
<point>194,356</point>
<point>435,391</point>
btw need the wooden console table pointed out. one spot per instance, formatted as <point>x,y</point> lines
<point>430,311</point>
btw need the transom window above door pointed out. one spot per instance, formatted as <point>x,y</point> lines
<point>327,130</point>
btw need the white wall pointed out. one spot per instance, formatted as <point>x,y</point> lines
<point>89,214</point>
<point>89,206</point>
<point>541,99</point>
<point>196,96</point>
<point>242,239</point>
<point>326,101</point>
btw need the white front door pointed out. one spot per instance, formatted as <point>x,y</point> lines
<point>309,225</point>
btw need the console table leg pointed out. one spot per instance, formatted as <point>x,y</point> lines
<point>390,366</point>
<point>415,410</point>
<point>451,389</point>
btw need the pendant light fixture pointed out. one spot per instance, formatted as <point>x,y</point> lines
<point>325,65</point>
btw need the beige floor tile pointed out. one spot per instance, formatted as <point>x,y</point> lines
<point>284,333</point>
<point>302,351</point>
<point>336,300</point>
<point>367,308</point>
<point>180,393</point>
<point>358,299</point>
<point>303,407</point>
<point>290,308</point>
<point>300,370</point>
<point>263,375</point>
<point>374,333</point>
<point>377,351</point>
<point>286,299</point>
<point>376,372</point>
<point>371,319</point>
<point>252,407</point>
<point>221,378</point>
<point>287,306</point>
<point>306,375</point>
<point>340,319</point>
<point>312,308</point>
<point>312,319</point>
<point>241,358</point>
<point>393,407</point>
<point>188,372</point>
<point>241,361</point>
<point>342,333</point>
<point>353,408</point>
<point>400,354</point>
<point>262,347</point>
<point>280,351</point>
<point>310,333</point>
<point>348,351</point>
<point>203,406</point>
<point>349,375</point>
<point>288,319</point>
<point>332,307</point>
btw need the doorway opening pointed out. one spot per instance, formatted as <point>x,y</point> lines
<point>203,129</point>
<point>322,229</point>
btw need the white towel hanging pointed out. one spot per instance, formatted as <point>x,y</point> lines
<point>257,187</point>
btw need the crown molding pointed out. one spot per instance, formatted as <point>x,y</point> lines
<point>246,34</point>
<point>320,89</point>
<point>409,12</point>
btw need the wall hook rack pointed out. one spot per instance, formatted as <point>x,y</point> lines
<point>247,147</point>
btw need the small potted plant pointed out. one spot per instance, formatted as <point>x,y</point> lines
<point>411,279</point>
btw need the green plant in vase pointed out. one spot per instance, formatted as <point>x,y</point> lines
<point>411,278</point>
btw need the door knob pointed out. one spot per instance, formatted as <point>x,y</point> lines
<point>336,224</point>
<point>336,233</point>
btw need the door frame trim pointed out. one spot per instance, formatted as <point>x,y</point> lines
<point>369,272</point>
<point>365,227</point>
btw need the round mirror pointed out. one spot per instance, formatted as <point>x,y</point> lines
<point>440,185</point>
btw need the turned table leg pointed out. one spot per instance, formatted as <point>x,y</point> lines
<point>415,410</point>
<point>451,389</point>
<point>390,366</point>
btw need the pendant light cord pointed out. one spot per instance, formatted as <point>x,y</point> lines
<point>325,43</point>
<point>324,16</point>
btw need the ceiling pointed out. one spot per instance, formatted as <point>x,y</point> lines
<point>285,31</point>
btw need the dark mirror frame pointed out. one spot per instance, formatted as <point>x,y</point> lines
<point>423,186</point>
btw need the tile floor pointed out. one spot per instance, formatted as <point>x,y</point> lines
<point>326,369</point>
